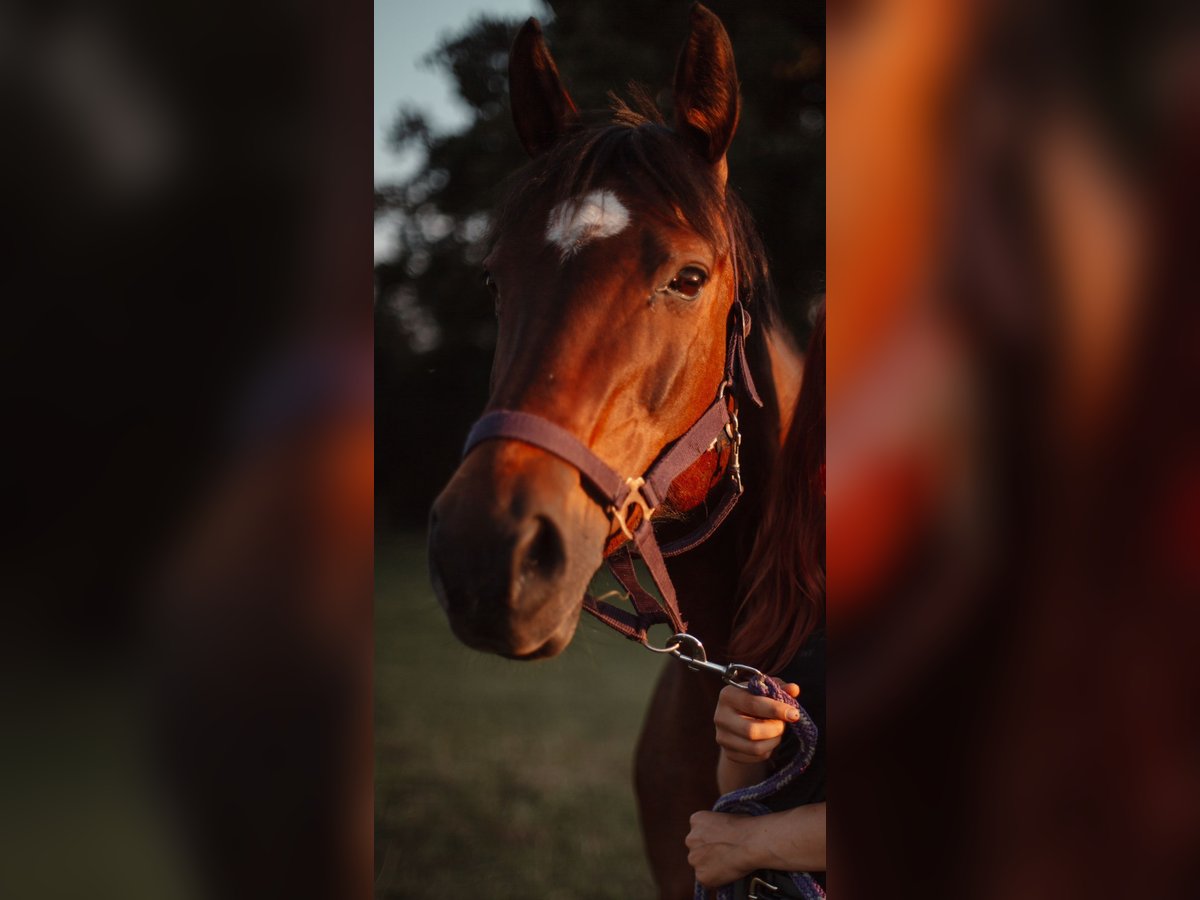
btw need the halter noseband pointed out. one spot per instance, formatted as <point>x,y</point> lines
<point>644,493</point>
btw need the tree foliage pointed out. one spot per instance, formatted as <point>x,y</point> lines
<point>434,323</point>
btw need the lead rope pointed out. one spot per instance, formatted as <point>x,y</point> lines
<point>751,801</point>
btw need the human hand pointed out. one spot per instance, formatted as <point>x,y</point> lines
<point>719,847</point>
<point>750,727</point>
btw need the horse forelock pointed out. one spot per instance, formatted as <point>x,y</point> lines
<point>630,150</point>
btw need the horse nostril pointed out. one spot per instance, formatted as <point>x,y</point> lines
<point>544,555</point>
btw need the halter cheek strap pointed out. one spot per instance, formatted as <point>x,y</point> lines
<point>622,496</point>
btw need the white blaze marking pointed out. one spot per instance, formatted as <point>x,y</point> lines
<point>576,222</point>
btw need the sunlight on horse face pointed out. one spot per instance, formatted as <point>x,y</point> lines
<point>589,341</point>
<point>612,324</point>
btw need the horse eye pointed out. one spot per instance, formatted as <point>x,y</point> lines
<point>688,283</point>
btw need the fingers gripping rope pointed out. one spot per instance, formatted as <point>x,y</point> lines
<point>749,801</point>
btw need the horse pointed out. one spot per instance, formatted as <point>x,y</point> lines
<point>625,275</point>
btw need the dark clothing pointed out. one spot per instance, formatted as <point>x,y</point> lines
<point>806,669</point>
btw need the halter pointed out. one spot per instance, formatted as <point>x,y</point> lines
<point>630,502</point>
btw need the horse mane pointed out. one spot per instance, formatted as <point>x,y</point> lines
<point>630,143</point>
<point>781,594</point>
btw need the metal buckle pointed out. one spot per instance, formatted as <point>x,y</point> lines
<point>696,659</point>
<point>741,676</point>
<point>633,498</point>
<point>735,436</point>
<point>734,432</point>
<point>671,646</point>
<point>755,884</point>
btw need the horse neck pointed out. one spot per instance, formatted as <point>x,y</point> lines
<point>706,579</point>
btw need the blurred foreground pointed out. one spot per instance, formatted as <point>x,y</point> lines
<point>187,383</point>
<point>1013,445</point>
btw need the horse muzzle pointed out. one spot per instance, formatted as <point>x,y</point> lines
<point>513,543</point>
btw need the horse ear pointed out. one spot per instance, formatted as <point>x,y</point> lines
<point>541,107</point>
<point>706,88</point>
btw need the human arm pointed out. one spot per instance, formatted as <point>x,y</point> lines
<point>723,848</point>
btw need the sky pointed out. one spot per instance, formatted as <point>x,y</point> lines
<point>405,31</point>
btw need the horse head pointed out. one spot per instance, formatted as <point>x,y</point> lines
<point>615,263</point>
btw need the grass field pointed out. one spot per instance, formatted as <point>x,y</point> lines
<point>496,779</point>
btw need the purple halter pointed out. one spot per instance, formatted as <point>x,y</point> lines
<point>645,492</point>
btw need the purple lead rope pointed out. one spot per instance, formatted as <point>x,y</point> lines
<point>749,801</point>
